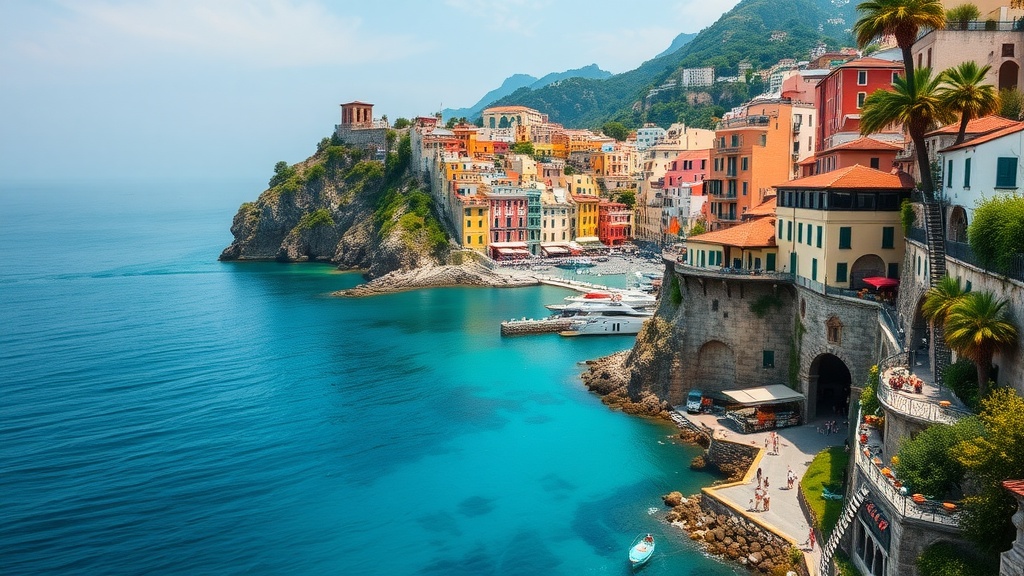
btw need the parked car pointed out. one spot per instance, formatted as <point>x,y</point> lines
<point>693,401</point>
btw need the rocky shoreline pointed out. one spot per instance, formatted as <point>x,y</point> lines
<point>608,377</point>
<point>438,277</point>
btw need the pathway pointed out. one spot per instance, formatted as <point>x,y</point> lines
<point>797,447</point>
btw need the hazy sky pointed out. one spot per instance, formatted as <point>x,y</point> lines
<point>225,88</point>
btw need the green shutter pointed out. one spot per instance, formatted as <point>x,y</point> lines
<point>888,233</point>
<point>769,262</point>
<point>841,272</point>
<point>844,237</point>
<point>1006,173</point>
<point>800,233</point>
<point>814,269</point>
<point>949,174</point>
<point>967,173</point>
<point>819,236</point>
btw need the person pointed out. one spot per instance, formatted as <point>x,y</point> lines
<point>757,500</point>
<point>775,445</point>
<point>759,477</point>
<point>810,539</point>
<point>767,501</point>
<point>648,539</point>
<point>765,482</point>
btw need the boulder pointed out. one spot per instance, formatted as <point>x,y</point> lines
<point>673,499</point>
<point>755,558</point>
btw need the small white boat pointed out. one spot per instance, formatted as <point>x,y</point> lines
<point>641,550</point>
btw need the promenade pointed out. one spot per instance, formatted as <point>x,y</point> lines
<point>797,447</point>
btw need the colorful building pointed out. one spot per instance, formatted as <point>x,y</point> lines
<point>586,216</point>
<point>837,228</point>
<point>475,230</point>
<point>748,247</point>
<point>865,151</point>
<point>614,223</point>
<point>840,99</point>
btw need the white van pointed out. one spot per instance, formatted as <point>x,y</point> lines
<point>693,400</point>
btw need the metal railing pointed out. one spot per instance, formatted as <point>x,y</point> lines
<point>962,251</point>
<point>918,235</point>
<point>929,511</point>
<point>755,274</point>
<point>919,408</point>
<point>889,316</point>
<point>810,284</point>
<point>984,25</point>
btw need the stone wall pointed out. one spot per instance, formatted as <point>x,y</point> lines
<point>732,458</point>
<point>736,537</point>
<point>914,286</point>
<point>363,137</point>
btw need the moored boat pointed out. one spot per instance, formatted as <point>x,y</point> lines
<point>641,550</point>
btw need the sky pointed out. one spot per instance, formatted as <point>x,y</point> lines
<point>106,89</point>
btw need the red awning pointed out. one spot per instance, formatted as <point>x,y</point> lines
<point>880,282</point>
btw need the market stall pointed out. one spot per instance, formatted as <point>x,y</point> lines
<point>765,407</point>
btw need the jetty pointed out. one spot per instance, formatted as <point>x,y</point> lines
<point>531,326</point>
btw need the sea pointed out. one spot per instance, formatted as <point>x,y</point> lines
<point>162,412</point>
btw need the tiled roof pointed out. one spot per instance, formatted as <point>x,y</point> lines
<point>1015,486</point>
<point>759,233</point>
<point>766,208</point>
<point>1016,127</point>
<point>866,143</point>
<point>853,177</point>
<point>807,161</point>
<point>507,109</point>
<point>975,126</point>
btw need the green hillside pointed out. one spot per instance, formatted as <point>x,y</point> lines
<point>743,33</point>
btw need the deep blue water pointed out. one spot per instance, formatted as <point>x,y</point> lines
<point>163,412</point>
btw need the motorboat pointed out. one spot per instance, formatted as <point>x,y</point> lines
<point>599,318</point>
<point>633,298</point>
<point>577,262</point>
<point>641,550</point>
<point>609,308</point>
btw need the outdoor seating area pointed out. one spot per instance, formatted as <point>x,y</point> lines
<point>900,378</point>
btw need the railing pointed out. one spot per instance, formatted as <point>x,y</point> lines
<point>849,513</point>
<point>918,408</point>
<point>888,314</point>
<point>963,252</point>
<point>810,284</point>
<point>929,511</point>
<point>757,120</point>
<point>918,235</point>
<point>984,25</point>
<point>734,272</point>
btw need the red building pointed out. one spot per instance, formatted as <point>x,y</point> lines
<point>614,223</point>
<point>864,151</point>
<point>840,98</point>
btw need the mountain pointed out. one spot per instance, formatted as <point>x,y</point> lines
<point>759,31</point>
<point>519,81</point>
<point>680,41</point>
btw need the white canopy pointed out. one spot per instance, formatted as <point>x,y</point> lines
<point>764,395</point>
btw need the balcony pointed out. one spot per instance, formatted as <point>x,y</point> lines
<point>743,121</point>
<point>756,275</point>
<point>932,405</point>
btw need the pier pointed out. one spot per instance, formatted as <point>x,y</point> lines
<point>531,326</point>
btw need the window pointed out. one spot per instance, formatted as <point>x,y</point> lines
<point>894,270</point>
<point>834,330</point>
<point>874,162</point>
<point>800,233</point>
<point>768,359</point>
<point>967,174</point>
<point>841,272</point>
<point>895,75</point>
<point>789,231</point>
<point>888,233</point>
<point>780,229</point>
<point>862,78</point>
<point>860,99</point>
<point>949,174</point>
<point>819,236</point>
<point>735,140</point>
<point>744,188</point>
<point>844,237</point>
<point>1008,50</point>
<point>769,261</point>
<point>1006,173</point>
<point>743,163</point>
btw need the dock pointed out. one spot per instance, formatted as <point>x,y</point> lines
<point>531,326</point>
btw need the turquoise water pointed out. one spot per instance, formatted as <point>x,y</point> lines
<point>163,412</point>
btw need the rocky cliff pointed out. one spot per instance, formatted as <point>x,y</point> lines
<point>341,206</point>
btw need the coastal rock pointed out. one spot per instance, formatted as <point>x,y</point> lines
<point>673,499</point>
<point>470,274</point>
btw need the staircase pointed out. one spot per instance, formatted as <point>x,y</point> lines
<point>829,549</point>
<point>936,270</point>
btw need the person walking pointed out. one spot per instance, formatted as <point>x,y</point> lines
<point>759,477</point>
<point>810,538</point>
<point>767,501</point>
<point>757,499</point>
<point>775,445</point>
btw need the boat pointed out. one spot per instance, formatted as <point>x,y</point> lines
<point>577,262</point>
<point>641,550</point>
<point>593,318</point>
<point>633,298</point>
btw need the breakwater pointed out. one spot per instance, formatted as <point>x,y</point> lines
<point>530,326</point>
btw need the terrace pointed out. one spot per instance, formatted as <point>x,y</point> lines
<point>901,390</point>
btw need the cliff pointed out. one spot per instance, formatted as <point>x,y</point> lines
<point>340,206</point>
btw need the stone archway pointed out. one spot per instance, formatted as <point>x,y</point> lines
<point>866,266</point>
<point>828,387</point>
<point>1008,74</point>
<point>958,224</point>
<point>716,367</point>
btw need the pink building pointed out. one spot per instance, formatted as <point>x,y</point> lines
<point>614,223</point>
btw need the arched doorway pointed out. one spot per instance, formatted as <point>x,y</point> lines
<point>829,387</point>
<point>866,266</point>
<point>1008,74</point>
<point>958,224</point>
<point>716,366</point>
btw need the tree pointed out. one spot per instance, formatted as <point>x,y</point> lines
<point>901,18</point>
<point>915,104</point>
<point>967,93</point>
<point>996,234</point>
<point>995,455</point>
<point>402,123</point>
<point>699,227</point>
<point>962,14</point>
<point>940,298</point>
<point>525,147</point>
<point>282,172</point>
<point>615,130</point>
<point>628,197</point>
<point>926,461</point>
<point>1011,103</point>
<point>977,326</point>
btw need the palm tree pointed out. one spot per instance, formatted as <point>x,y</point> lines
<point>916,106</point>
<point>977,327</point>
<point>966,92</point>
<point>901,18</point>
<point>940,298</point>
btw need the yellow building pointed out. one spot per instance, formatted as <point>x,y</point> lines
<point>512,116</point>
<point>475,227</point>
<point>586,216</point>
<point>837,228</point>
<point>748,247</point>
<point>579,184</point>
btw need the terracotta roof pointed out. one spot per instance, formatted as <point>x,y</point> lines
<point>766,208</point>
<point>508,109</point>
<point>866,143</point>
<point>975,126</point>
<point>1016,127</point>
<point>1015,486</point>
<point>807,161</point>
<point>853,177</point>
<point>870,62</point>
<point>357,102</point>
<point>759,233</point>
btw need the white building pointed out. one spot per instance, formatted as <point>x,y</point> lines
<point>648,136</point>
<point>698,76</point>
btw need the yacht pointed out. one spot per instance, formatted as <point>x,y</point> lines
<point>602,318</point>
<point>633,298</point>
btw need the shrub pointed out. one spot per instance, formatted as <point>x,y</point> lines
<point>927,465</point>
<point>944,559</point>
<point>907,216</point>
<point>869,394</point>
<point>321,217</point>
<point>962,378</point>
<point>315,172</point>
<point>675,293</point>
<point>960,15</point>
<point>282,172</point>
<point>997,233</point>
<point>764,304</point>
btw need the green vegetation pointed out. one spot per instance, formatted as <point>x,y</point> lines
<point>967,94</point>
<point>869,404</point>
<point>523,148</point>
<point>828,469</point>
<point>402,123</point>
<point>844,566</point>
<point>569,170</point>
<point>315,172</point>
<point>994,455</point>
<point>926,464</point>
<point>765,303</point>
<point>317,218</point>
<point>944,559</point>
<point>675,293</point>
<point>977,326</point>
<point>907,216</point>
<point>699,227</point>
<point>627,197</point>
<point>615,129</point>
<point>1011,103</point>
<point>960,15</point>
<point>996,234</point>
<point>282,172</point>
<point>795,344</point>
<point>901,18</point>
<point>398,162</point>
<point>962,378</point>
<point>418,224</point>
